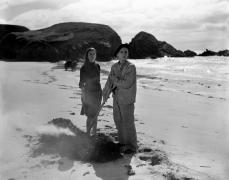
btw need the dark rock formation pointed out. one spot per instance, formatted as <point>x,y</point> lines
<point>145,45</point>
<point>166,49</point>
<point>208,53</point>
<point>212,53</point>
<point>189,53</point>
<point>223,53</point>
<point>61,41</point>
<point>6,29</point>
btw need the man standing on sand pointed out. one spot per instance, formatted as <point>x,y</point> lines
<point>122,82</point>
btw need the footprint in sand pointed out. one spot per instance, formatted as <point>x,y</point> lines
<point>154,157</point>
<point>205,166</point>
<point>108,106</point>
<point>47,163</point>
<point>86,173</point>
<point>145,150</point>
<point>222,98</point>
<point>72,171</point>
<point>18,129</point>
<point>28,137</point>
<point>108,127</point>
<point>44,73</point>
<point>140,165</point>
<point>201,83</point>
<point>37,166</point>
<point>27,80</point>
<point>184,126</point>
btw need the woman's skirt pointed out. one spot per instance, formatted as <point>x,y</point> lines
<point>91,101</point>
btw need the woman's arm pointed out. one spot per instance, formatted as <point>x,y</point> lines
<point>82,78</point>
<point>99,71</point>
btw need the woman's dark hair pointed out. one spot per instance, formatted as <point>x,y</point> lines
<point>120,47</point>
<point>86,54</point>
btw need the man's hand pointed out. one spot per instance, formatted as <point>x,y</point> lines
<point>114,79</point>
<point>116,84</point>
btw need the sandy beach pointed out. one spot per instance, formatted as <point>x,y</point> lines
<point>182,126</point>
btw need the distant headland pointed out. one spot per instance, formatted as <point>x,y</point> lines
<point>70,40</point>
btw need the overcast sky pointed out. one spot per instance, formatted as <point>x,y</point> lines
<point>186,24</point>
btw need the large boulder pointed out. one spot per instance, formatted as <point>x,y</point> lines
<point>167,49</point>
<point>208,53</point>
<point>189,53</point>
<point>145,45</point>
<point>6,29</point>
<point>223,53</point>
<point>61,41</point>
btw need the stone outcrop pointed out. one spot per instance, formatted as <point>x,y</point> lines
<point>168,50</point>
<point>61,41</point>
<point>223,53</point>
<point>189,53</point>
<point>69,41</point>
<point>145,45</point>
<point>208,53</point>
<point>6,29</point>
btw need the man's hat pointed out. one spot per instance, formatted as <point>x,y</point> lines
<point>120,47</point>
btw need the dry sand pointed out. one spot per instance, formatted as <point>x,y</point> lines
<point>180,136</point>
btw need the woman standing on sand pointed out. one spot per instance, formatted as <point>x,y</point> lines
<point>122,82</point>
<point>91,89</point>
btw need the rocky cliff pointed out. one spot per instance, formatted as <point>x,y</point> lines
<point>61,41</point>
<point>6,29</point>
<point>189,53</point>
<point>145,45</point>
<point>223,53</point>
<point>69,41</point>
<point>208,53</point>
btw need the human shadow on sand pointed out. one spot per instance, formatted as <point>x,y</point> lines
<point>61,137</point>
<point>119,169</point>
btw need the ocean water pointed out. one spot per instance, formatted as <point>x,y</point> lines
<point>201,76</point>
